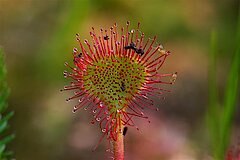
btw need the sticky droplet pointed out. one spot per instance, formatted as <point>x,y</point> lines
<point>168,52</point>
<point>75,107</point>
<point>101,104</point>
<point>66,63</point>
<point>75,49</point>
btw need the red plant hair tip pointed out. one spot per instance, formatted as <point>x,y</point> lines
<point>115,76</point>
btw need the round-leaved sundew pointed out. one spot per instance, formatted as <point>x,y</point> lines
<point>115,76</point>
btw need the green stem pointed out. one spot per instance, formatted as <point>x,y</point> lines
<point>119,145</point>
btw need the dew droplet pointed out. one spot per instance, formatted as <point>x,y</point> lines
<point>67,100</point>
<point>103,130</point>
<point>94,111</point>
<point>75,107</point>
<point>66,63</point>
<point>98,119</point>
<point>74,111</point>
<point>101,104</point>
<point>168,52</point>
<point>80,100</point>
<point>75,49</point>
<point>76,92</point>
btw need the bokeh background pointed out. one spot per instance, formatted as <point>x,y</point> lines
<point>37,37</point>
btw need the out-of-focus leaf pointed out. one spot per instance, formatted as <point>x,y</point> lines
<point>7,139</point>
<point>230,102</point>
<point>213,109</point>
<point>220,119</point>
<point>4,121</point>
<point>3,126</point>
<point>2,148</point>
<point>4,117</point>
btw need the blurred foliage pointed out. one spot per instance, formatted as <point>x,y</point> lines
<point>4,115</point>
<point>221,113</point>
<point>38,37</point>
<point>62,38</point>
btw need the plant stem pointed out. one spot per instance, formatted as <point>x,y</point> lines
<point>119,145</point>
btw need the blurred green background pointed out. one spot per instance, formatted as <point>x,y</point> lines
<point>37,37</point>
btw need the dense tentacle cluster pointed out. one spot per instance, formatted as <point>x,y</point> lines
<point>115,75</point>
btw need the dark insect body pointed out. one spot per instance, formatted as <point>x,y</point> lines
<point>125,131</point>
<point>132,46</point>
<point>79,55</point>
<point>106,37</point>
<point>139,51</point>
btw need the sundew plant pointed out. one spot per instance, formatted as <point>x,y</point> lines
<point>114,78</point>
